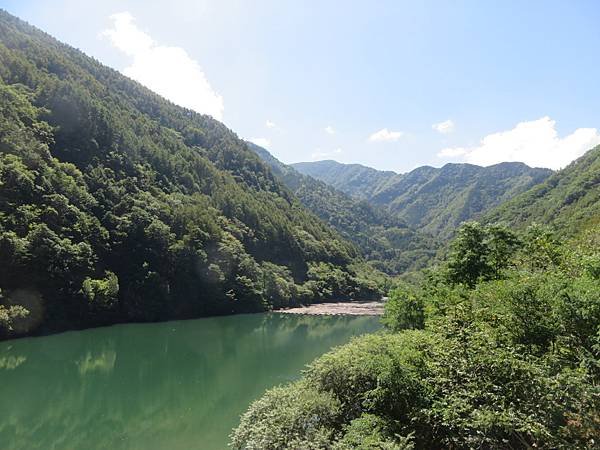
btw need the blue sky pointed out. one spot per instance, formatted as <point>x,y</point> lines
<point>392,85</point>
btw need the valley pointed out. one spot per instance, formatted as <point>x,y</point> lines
<point>168,283</point>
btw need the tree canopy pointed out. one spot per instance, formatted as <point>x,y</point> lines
<point>116,205</point>
<point>499,347</point>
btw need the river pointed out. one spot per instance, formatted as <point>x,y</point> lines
<point>171,385</point>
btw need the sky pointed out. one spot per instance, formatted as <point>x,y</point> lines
<point>389,84</point>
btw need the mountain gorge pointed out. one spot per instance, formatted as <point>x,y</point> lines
<point>433,200</point>
<point>453,307</point>
<point>117,205</point>
<point>385,240</point>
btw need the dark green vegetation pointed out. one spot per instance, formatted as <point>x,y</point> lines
<point>569,199</point>
<point>116,205</point>
<point>499,347</point>
<point>433,200</point>
<point>354,179</point>
<point>384,240</point>
<point>161,386</point>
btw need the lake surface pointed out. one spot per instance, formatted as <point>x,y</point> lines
<point>164,386</point>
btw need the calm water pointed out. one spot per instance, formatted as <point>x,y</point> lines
<point>167,386</point>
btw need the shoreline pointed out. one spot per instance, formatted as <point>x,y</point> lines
<point>349,308</point>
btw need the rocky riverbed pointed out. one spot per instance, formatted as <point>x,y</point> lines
<point>356,308</point>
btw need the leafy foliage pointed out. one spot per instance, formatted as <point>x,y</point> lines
<point>8,314</point>
<point>503,352</point>
<point>116,205</point>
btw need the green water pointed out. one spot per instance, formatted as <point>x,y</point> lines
<point>168,386</point>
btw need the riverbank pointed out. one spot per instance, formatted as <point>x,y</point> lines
<point>356,308</point>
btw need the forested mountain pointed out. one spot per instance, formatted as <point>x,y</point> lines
<point>383,239</point>
<point>117,205</point>
<point>354,179</point>
<point>569,200</point>
<point>438,200</point>
<point>435,200</point>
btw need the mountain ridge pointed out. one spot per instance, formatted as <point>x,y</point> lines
<point>384,239</point>
<point>435,200</point>
<point>569,200</point>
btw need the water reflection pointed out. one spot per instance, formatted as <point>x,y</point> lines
<point>174,385</point>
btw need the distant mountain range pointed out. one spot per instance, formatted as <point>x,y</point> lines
<point>384,239</point>
<point>432,200</point>
<point>354,179</point>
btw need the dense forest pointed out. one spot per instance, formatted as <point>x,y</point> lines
<point>116,205</point>
<point>387,242</point>
<point>354,179</point>
<point>569,200</point>
<point>498,347</point>
<point>433,200</point>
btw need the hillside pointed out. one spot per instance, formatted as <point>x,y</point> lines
<point>569,200</point>
<point>383,239</point>
<point>438,200</point>
<point>116,205</point>
<point>495,348</point>
<point>354,179</point>
<point>435,200</point>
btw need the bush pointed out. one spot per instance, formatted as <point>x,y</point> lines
<point>294,416</point>
<point>405,309</point>
<point>508,358</point>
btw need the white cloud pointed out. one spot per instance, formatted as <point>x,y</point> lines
<point>536,143</point>
<point>319,154</point>
<point>169,71</point>
<point>261,142</point>
<point>329,129</point>
<point>270,124</point>
<point>445,127</point>
<point>385,135</point>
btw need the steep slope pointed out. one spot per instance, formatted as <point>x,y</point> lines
<point>569,199</point>
<point>434,200</point>
<point>354,179</point>
<point>116,205</point>
<point>384,239</point>
<point>438,200</point>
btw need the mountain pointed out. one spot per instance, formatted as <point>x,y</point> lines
<point>354,179</point>
<point>117,205</point>
<point>434,200</point>
<point>438,200</point>
<point>383,239</point>
<point>569,200</point>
